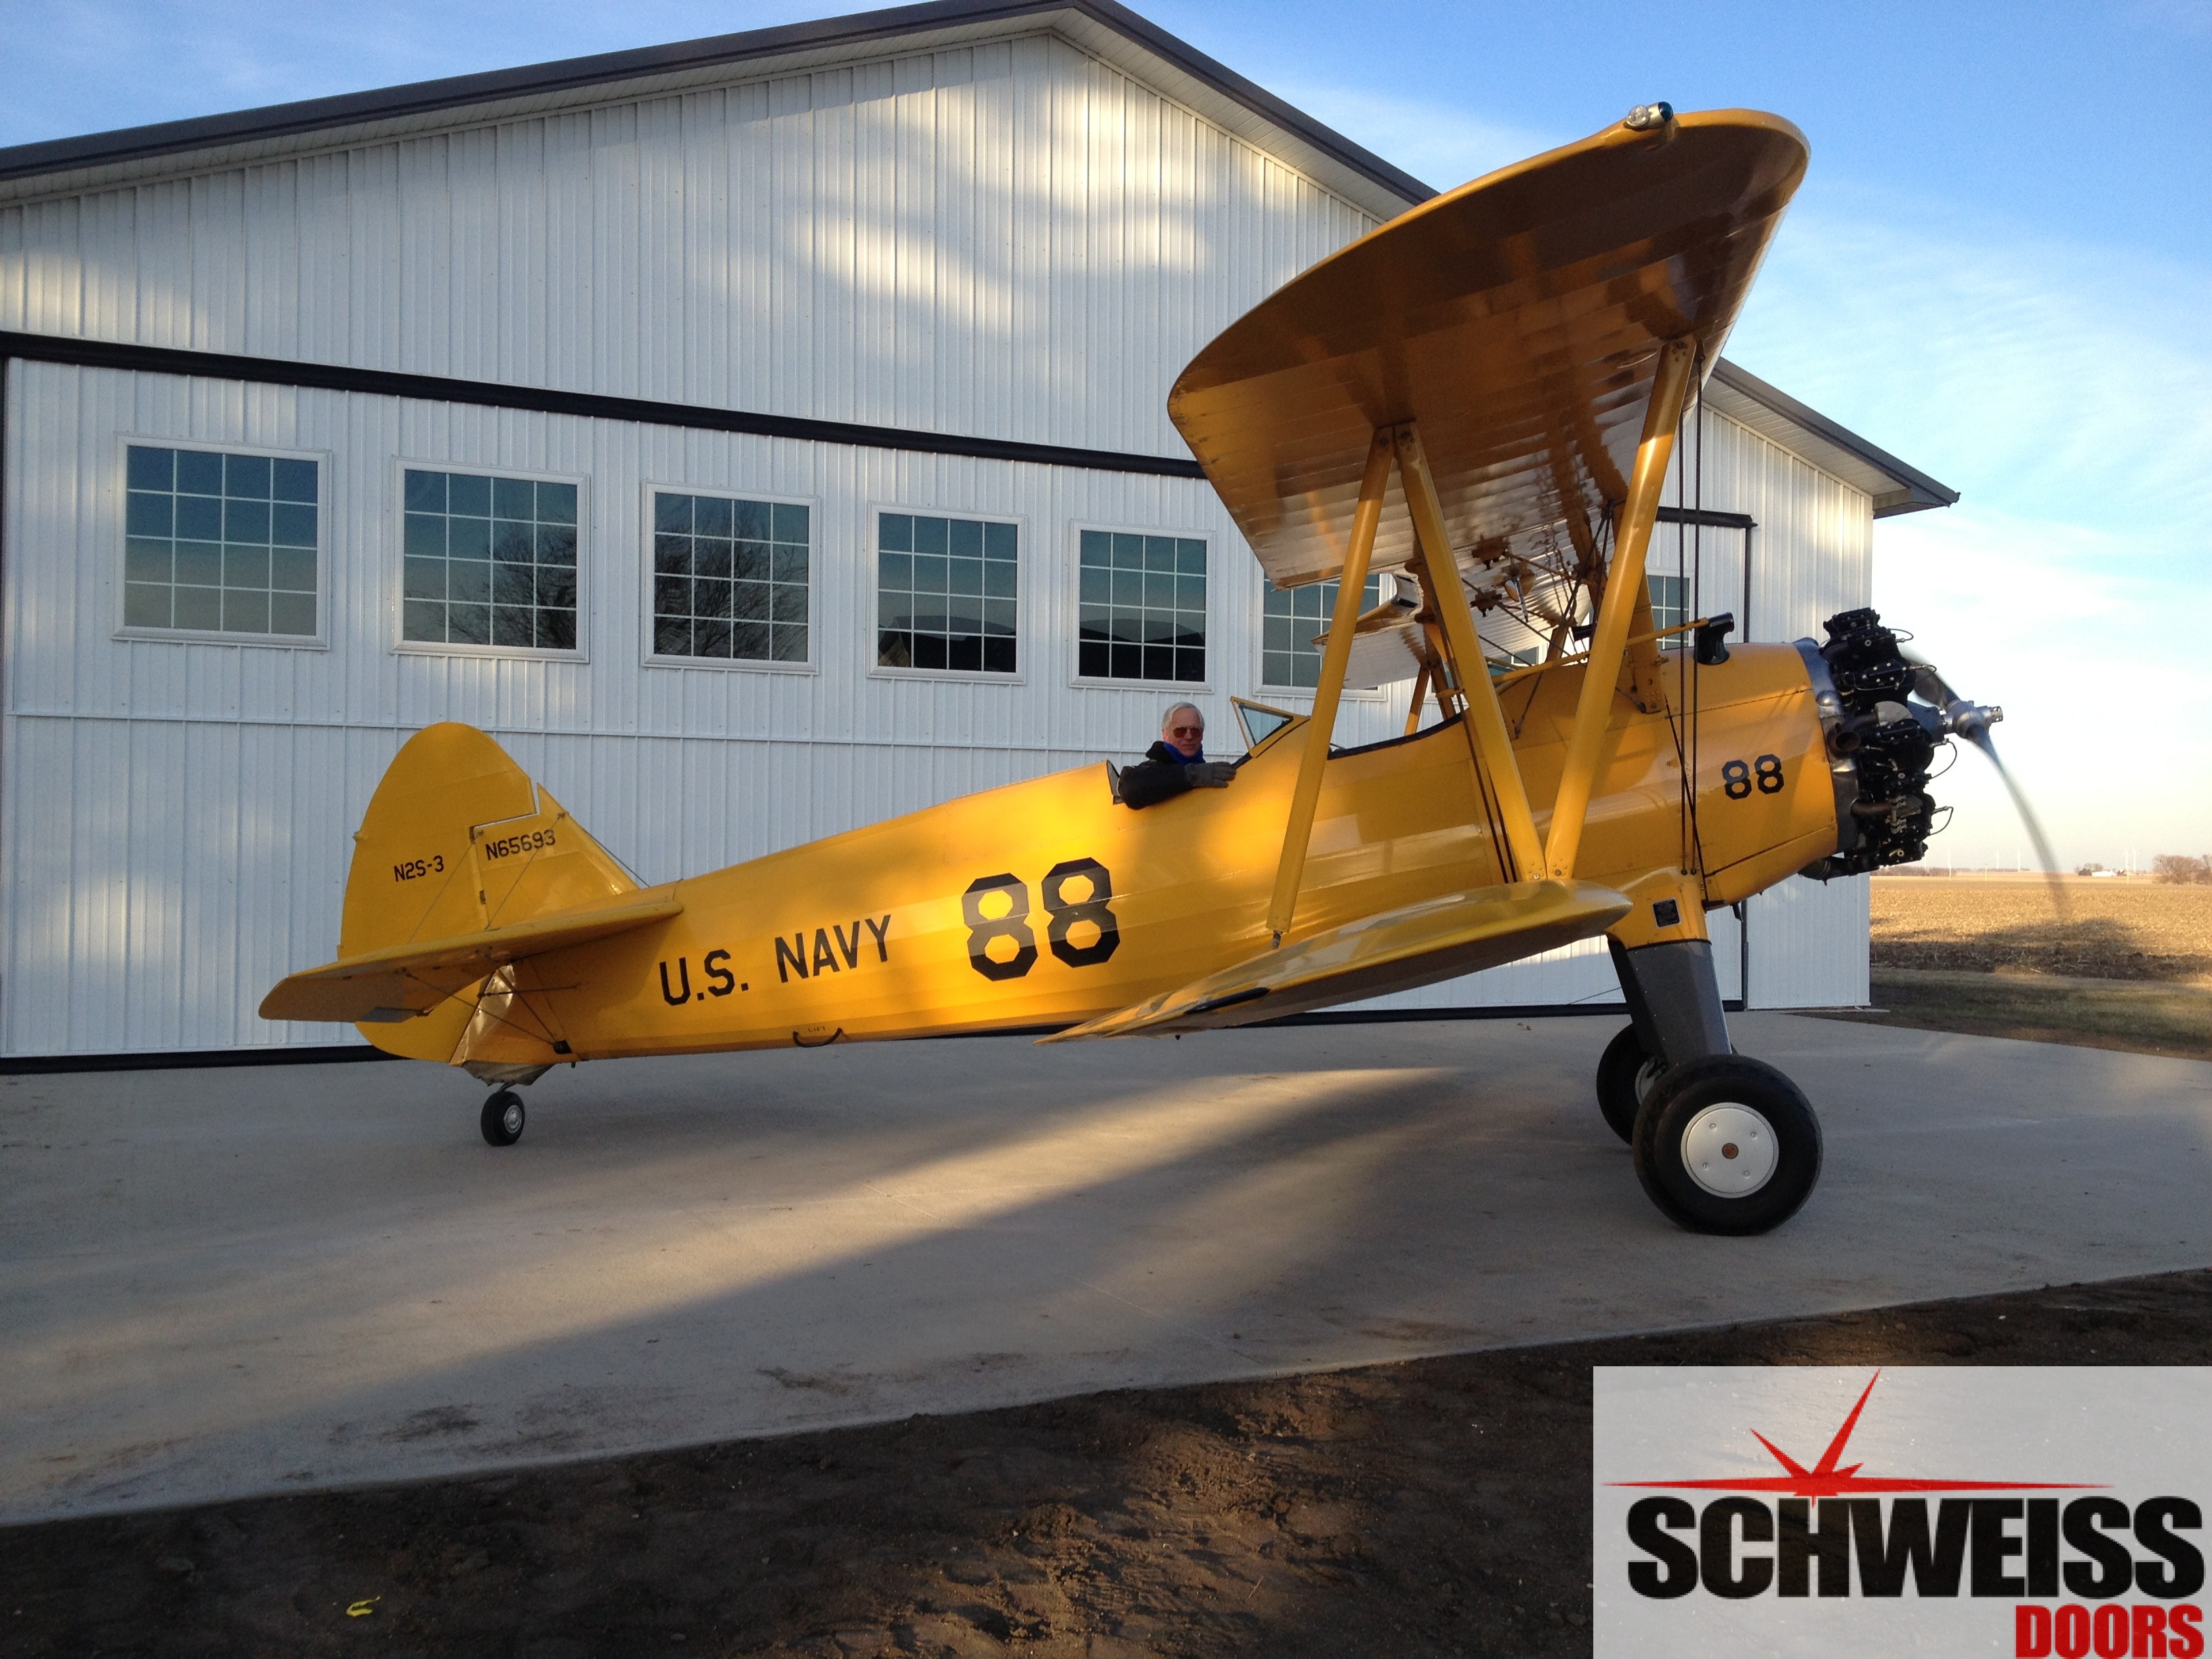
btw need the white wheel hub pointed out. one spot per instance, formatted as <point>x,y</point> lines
<point>1731,1150</point>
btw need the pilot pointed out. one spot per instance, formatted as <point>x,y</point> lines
<point>1176,763</point>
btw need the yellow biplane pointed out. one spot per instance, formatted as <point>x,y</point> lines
<point>1478,401</point>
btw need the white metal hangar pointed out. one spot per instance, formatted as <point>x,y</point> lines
<point>761,436</point>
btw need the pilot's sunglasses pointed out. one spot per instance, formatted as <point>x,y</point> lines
<point>1186,730</point>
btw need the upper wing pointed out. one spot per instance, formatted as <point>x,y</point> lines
<point>404,979</point>
<point>1516,319</point>
<point>1396,950</point>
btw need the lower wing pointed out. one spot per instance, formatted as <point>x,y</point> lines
<point>1397,950</point>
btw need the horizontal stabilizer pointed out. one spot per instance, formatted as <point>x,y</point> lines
<point>1396,950</point>
<point>404,980</point>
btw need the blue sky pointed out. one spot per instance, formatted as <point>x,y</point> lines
<point>1999,269</point>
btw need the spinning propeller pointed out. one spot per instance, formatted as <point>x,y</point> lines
<point>1946,713</point>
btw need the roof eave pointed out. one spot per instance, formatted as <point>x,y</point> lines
<point>1895,487</point>
<point>1104,25</point>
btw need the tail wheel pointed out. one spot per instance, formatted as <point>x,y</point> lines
<point>502,1119</point>
<point>1626,1074</point>
<point>1727,1144</point>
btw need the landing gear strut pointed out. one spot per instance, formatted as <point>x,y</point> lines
<point>1722,1144</point>
<point>502,1119</point>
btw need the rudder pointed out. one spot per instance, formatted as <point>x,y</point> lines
<point>459,838</point>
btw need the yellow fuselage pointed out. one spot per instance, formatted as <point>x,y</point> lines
<point>1045,903</point>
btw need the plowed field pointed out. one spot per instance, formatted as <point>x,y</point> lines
<point>2138,930</point>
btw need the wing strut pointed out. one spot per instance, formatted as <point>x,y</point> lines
<point>1624,586</point>
<point>1490,746</point>
<point>1352,582</point>
<point>1493,749</point>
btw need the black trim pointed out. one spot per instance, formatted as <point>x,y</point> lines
<point>550,400</point>
<point>1709,519</point>
<point>602,68</point>
<point>192,1060</point>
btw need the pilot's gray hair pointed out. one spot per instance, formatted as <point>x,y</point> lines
<point>1168,719</point>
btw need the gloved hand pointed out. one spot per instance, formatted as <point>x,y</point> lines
<point>1210,775</point>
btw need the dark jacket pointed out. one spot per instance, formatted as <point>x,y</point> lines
<point>1159,776</point>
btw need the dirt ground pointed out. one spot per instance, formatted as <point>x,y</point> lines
<point>1437,1507</point>
<point>2129,968</point>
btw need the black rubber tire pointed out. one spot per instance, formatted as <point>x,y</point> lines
<point>1626,1074</point>
<point>1676,1104</point>
<point>502,1119</point>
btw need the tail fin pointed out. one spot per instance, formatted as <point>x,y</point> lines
<point>462,867</point>
<point>458,839</point>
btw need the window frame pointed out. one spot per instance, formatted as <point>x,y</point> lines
<point>119,563</point>
<point>648,657</point>
<point>396,578</point>
<point>1210,540</point>
<point>1024,603</point>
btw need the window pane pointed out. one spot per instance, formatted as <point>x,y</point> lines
<point>245,521</point>
<point>725,612</point>
<point>145,605</point>
<point>199,564</point>
<point>245,612</point>
<point>468,494</point>
<point>292,613</point>
<point>292,571</point>
<point>1131,595</point>
<point>507,580</point>
<point>199,608</point>
<point>147,561</point>
<point>293,481</point>
<point>219,574</point>
<point>895,533</point>
<point>291,525</point>
<point>671,513</point>
<point>198,473</point>
<point>246,477</point>
<point>199,518</point>
<point>151,469</point>
<point>150,514</point>
<point>791,524</point>
<point>930,604</point>
<point>1291,620</point>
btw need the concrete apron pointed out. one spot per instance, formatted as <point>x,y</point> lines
<point>219,1282</point>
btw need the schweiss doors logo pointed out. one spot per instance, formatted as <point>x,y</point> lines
<point>2044,1513</point>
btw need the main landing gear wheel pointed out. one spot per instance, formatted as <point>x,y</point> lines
<point>1727,1144</point>
<point>502,1119</point>
<point>1626,1075</point>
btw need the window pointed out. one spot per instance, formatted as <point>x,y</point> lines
<point>1667,598</point>
<point>220,544</point>
<point>1293,617</point>
<point>945,593</point>
<point>729,579</point>
<point>1141,607</point>
<point>490,561</point>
